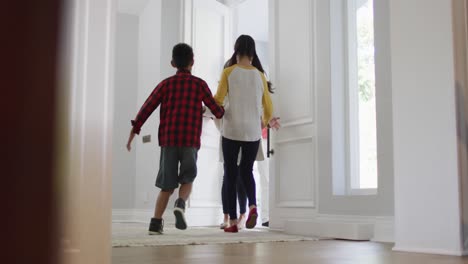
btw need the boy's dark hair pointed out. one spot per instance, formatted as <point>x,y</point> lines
<point>182,55</point>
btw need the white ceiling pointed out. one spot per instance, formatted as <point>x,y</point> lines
<point>133,7</point>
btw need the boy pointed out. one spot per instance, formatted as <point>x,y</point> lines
<point>181,98</point>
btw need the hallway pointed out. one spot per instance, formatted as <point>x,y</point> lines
<point>316,252</point>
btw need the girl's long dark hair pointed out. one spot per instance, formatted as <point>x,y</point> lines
<point>245,46</point>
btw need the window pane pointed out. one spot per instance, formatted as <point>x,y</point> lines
<point>366,90</point>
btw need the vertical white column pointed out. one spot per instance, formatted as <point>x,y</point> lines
<point>88,221</point>
<point>460,23</point>
<point>427,197</point>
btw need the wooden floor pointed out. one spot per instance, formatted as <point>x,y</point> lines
<point>311,252</point>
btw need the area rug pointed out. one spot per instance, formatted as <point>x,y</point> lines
<point>136,235</point>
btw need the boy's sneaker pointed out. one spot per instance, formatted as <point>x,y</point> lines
<point>156,226</point>
<point>179,212</point>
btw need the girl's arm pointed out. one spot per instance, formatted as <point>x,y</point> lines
<point>266,103</point>
<point>222,89</point>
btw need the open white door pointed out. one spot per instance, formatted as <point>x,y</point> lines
<point>306,168</point>
<point>293,167</point>
<point>207,30</point>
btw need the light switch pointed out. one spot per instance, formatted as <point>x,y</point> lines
<point>146,138</point>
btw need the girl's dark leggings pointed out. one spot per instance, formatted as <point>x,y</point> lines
<point>231,150</point>
<point>241,194</point>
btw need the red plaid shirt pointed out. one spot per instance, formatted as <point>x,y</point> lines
<point>181,113</point>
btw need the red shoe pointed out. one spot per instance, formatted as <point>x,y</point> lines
<point>231,229</point>
<point>252,219</point>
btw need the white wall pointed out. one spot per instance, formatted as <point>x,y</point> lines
<point>145,37</point>
<point>427,213</point>
<point>262,48</point>
<point>251,18</point>
<point>171,34</point>
<point>125,96</point>
<point>131,7</point>
<point>254,22</point>
<point>147,155</point>
<point>159,31</point>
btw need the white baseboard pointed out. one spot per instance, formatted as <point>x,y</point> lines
<point>437,251</point>
<point>379,229</point>
<point>195,216</point>
<point>330,229</point>
<point>143,215</point>
<point>122,215</point>
<point>204,216</point>
<point>136,216</point>
<point>384,230</point>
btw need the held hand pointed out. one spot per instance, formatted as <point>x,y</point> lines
<point>274,123</point>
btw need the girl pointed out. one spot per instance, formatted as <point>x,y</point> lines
<point>250,108</point>
<point>240,188</point>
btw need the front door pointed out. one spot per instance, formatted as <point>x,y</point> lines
<point>293,170</point>
<point>305,176</point>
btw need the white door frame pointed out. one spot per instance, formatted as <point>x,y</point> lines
<point>86,176</point>
<point>460,24</point>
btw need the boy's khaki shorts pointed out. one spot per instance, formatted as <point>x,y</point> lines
<point>170,174</point>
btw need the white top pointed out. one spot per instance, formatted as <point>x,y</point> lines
<point>246,90</point>
<point>260,156</point>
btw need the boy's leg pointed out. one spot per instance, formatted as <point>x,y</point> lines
<point>179,207</point>
<point>167,181</point>
<point>157,224</point>
<point>185,190</point>
<point>161,203</point>
<point>188,171</point>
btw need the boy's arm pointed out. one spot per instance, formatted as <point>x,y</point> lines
<point>146,110</point>
<point>130,139</point>
<point>210,102</point>
<point>151,103</point>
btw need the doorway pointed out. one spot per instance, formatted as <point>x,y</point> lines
<point>143,54</point>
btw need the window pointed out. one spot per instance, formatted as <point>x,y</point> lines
<point>362,95</point>
<point>353,95</point>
